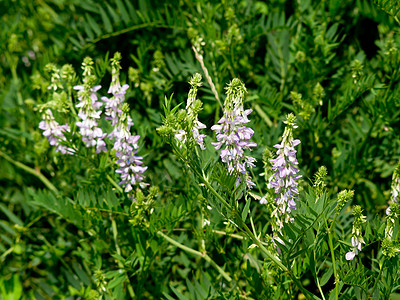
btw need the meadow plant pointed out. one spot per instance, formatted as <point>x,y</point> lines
<point>86,218</point>
<point>124,144</point>
<point>190,117</point>
<point>296,221</point>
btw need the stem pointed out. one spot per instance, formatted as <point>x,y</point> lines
<point>128,29</point>
<point>114,183</point>
<point>276,260</point>
<point>196,253</point>
<point>205,181</point>
<point>330,242</point>
<point>207,75</point>
<point>118,249</point>
<point>107,211</point>
<point>377,278</point>
<point>236,236</point>
<point>256,241</point>
<point>318,284</point>
<point>30,170</point>
<point>263,115</point>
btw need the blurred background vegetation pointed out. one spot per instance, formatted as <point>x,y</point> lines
<point>335,64</point>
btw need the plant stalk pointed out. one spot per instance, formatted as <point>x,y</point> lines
<point>30,170</point>
<point>197,253</point>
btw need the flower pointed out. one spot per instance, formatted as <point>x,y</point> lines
<point>91,134</point>
<point>125,144</point>
<point>356,239</point>
<point>284,180</point>
<point>113,105</point>
<point>396,184</point>
<point>89,112</point>
<point>55,132</point>
<point>191,123</point>
<point>233,135</point>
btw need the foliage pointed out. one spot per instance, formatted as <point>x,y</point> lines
<point>68,230</point>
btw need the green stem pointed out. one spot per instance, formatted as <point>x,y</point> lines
<point>223,201</point>
<point>263,115</point>
<point>30,170</point>
<point>207,75</point>
<point>317,280</point>
<point>108,211</point>
<point>197,253</point>
<point>379,275</point>
<point>276,260</point>
<point>330,242</point>
<point>114,184</point>
<point>128,29</point>
<point>120,264</point>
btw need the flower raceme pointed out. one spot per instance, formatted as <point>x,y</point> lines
<point>92,135</point>
<point>191,123</point>
<point>89,109</point>
<point>114,104</point>
<point>125,144</point>
<point>129,164</point>
<point>356,239</point>
<point>284,180</point>
<point>233,136</point>
<point>55,132</point>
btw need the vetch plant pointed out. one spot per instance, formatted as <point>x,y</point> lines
<point>76,220</point>
<point>124,144</point>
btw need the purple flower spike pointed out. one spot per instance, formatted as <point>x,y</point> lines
<point>284,180</point>
<point>125,144</point>
<point>92,135</point>
<point>55,132</point>
<point>232,134</point>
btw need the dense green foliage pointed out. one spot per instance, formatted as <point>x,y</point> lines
<point>66,230</point>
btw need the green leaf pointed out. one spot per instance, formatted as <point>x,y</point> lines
<point>117,280</point>
<point>13,218</point>
<point>178,294</point>
<point>325,278</point>
<point>105,19</point>
<point>113,14</point>
<point>246,209</point>
<point>81,274</point>
<point>89,32</point>
<point>93,25</point>
<point>123,12</point>
<point>76,42</point>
